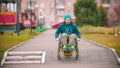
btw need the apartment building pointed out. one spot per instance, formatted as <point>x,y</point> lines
<point>113,10</point>
<point>52,11</point>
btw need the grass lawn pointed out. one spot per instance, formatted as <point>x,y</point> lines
<point>108,40</point>
<point>9,39</point>
<point>102,35</point>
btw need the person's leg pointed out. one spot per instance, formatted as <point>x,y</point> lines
<point>64,38</point>
<point>71,39</point>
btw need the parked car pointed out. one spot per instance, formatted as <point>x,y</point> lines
<point>55,26</point>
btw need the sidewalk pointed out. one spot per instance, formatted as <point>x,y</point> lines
<point>90,55</point>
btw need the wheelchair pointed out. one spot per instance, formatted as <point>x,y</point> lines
<point>67,50</point>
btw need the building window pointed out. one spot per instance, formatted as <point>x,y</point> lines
<point>4,7</point>
<point>59,2</point>
<point>106,1</point>
<point>51,12</point>
<point>60,12</point>
<point>115,1</point>
<point>69,4</point>
<point>28,4</point>
<point>68,11</point>
<point>51,5</point>
<point>9,6</point>
<point>41,5</point>
<point>31,4</point>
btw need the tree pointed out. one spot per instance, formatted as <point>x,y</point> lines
<point>86,12</point>
<point>103,16</point>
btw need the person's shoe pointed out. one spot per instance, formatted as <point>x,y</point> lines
<point>64,46</point>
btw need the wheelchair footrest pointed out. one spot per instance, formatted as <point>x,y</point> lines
<point>67,53</point>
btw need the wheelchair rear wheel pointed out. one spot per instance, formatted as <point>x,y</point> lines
<point>58,53</point>
<point>76,50</point>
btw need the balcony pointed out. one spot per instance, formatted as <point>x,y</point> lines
<point>60,7</point>
<point>60,15</point>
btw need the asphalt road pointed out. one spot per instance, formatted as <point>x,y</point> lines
<point>90,54</point>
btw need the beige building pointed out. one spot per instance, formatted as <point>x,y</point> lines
<point>51,10</point>
<point>54,10</point>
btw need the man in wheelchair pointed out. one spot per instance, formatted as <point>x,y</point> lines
<point>69,32</point>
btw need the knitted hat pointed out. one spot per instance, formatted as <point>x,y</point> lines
<point>67,16</point>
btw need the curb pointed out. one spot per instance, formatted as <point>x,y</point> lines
<point>20,44</point>
<point>101,45</point>
<point>6,52</point>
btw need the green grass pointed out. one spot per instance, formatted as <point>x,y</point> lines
<point>102,35</point>
<point>88,29</point>
<point>9,39</point>
<point>107,40</point>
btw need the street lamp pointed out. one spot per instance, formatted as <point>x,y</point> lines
<point>30,10</point>
<point>41,17</point>
<point>17,17</point>
<point>36,7</point>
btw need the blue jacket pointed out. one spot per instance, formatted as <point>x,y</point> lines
<point>68,29</point>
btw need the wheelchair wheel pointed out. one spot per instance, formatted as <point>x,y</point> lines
<point>76,50</point>
<point>77,54</point>
<point>58,53</point>
<point>59,50</point>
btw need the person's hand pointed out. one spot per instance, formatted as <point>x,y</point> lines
<point>57,39</point>
<point>78,39</point>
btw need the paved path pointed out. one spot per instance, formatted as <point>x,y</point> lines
<point>91,55</point>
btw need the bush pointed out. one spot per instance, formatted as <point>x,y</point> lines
<point>86,12</point>
<point>88,29</point>
<point>102,16</point>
